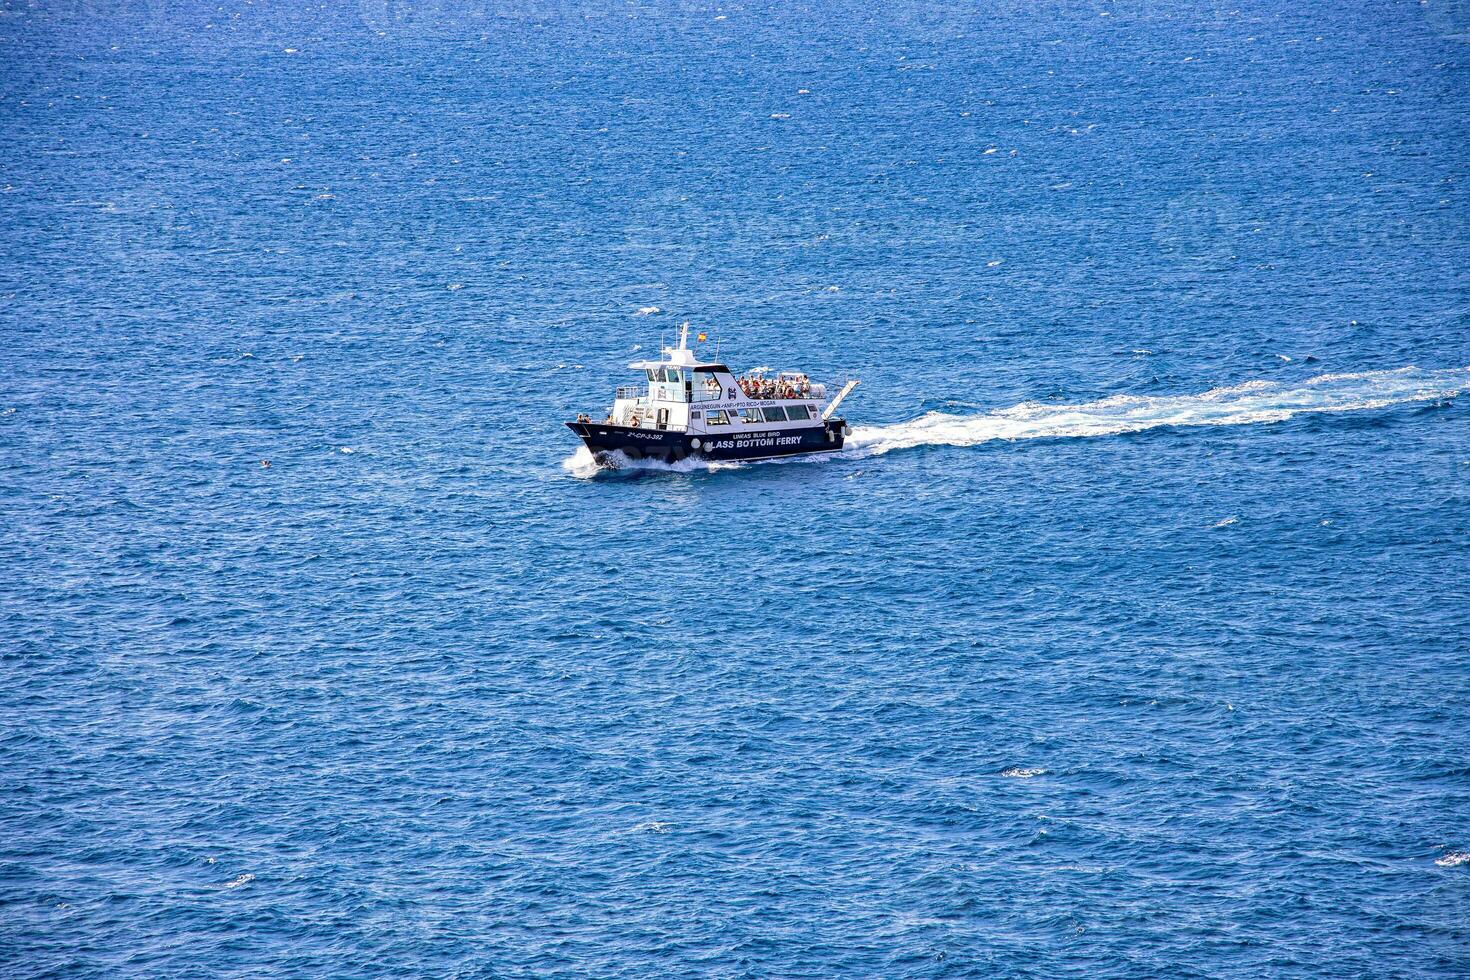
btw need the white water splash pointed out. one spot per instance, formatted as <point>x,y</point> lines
<point>1453,858</point>
<point>1253,401</point>
<point>582,465</point>
<point>1017,772</point>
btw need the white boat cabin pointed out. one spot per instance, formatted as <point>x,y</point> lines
<point>684,394</point>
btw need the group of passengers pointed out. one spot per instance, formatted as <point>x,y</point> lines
<point>758,387</point>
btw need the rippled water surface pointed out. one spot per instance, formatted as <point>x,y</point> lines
<point>1127,638</point>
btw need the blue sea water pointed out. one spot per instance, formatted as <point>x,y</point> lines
<point>1128,638</point>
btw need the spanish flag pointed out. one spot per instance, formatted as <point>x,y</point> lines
<point>702,338</point>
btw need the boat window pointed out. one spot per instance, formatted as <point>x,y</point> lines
<point>707,387</point>
<point>775,414</point>
<point>694,415</point>
<point>798,412</point>
<point>716,418</point>
<point>751,416</point>
<point>652,374</point>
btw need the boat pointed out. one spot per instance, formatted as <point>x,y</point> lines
<point>690,408</point>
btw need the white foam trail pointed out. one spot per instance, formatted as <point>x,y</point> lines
<point>1253,401</point>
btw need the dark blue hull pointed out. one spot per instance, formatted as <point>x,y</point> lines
<point>634,443</point>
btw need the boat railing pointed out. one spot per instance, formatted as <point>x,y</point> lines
<point>628,391</point>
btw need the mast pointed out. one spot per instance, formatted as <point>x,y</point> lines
<point>681,355</point>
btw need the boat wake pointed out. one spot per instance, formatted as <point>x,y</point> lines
<point>1253,401</point>
<point>1242,404</point>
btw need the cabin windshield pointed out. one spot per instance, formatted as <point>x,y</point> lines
<point>668,384</point>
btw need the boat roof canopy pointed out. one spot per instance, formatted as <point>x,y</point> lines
<point>657,365</point>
